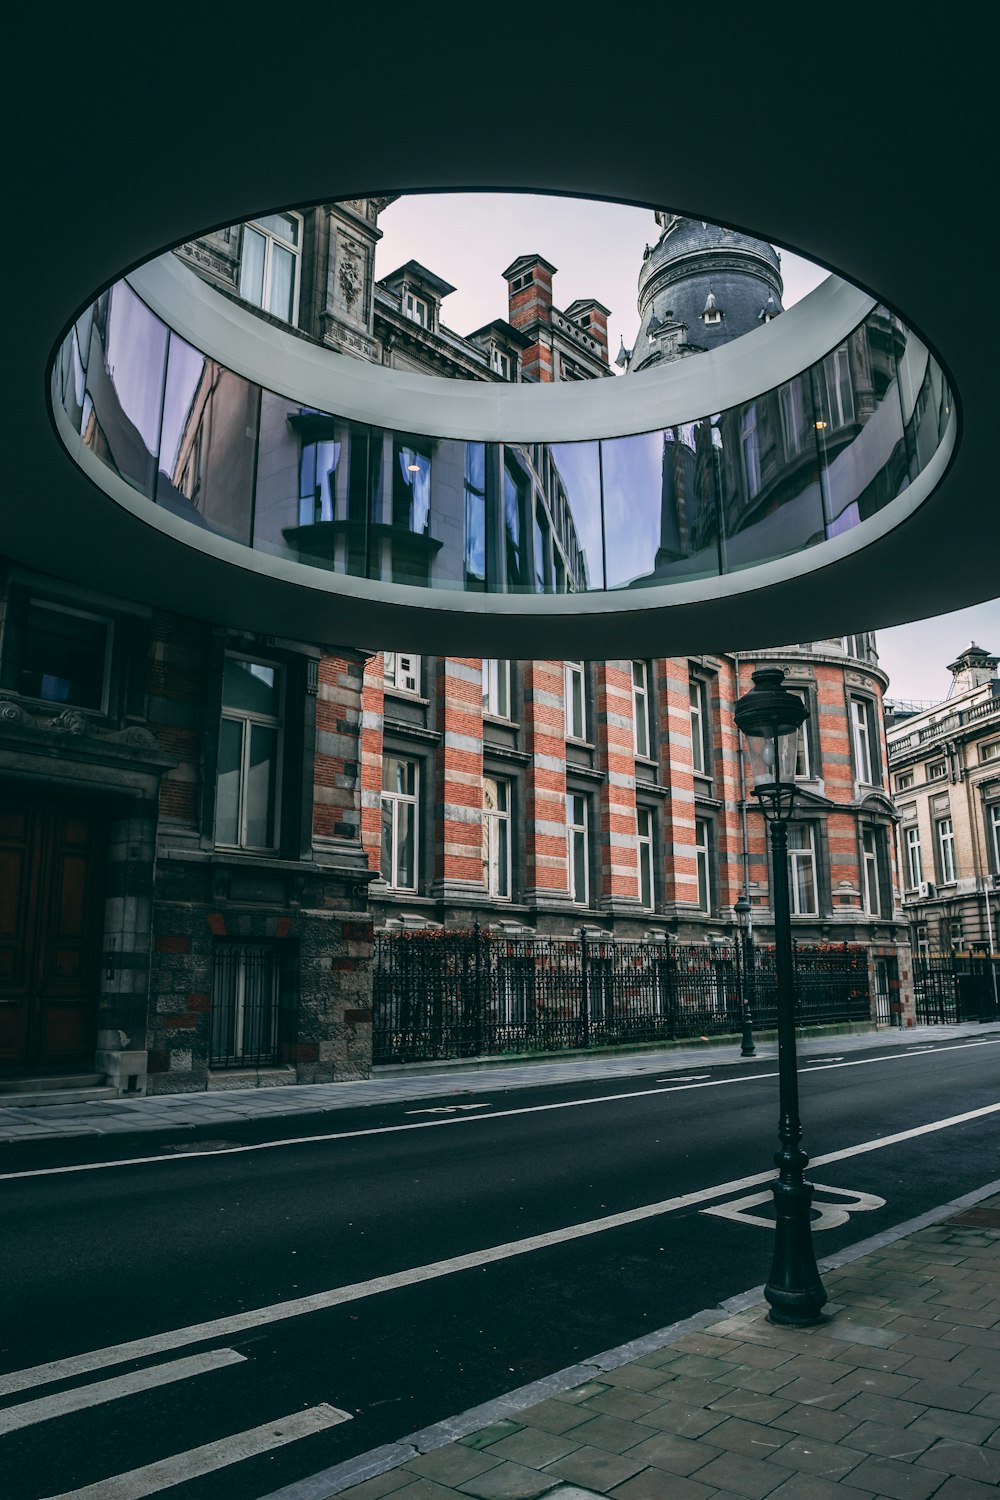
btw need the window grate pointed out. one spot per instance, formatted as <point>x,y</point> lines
<point>244,1005</point>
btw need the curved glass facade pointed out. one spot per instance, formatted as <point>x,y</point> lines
<point>797,465</point>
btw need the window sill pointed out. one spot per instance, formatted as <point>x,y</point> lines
<point>389,691</point>
<point>501,719</point>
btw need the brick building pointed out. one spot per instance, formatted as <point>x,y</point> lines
<point>200,825</point>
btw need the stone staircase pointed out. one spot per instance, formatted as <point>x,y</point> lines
<point>54,1088</point>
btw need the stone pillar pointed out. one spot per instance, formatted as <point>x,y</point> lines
<point>546,877</point>
<point>618,854</point>
<point>680,872</point>
<point>458,812</point>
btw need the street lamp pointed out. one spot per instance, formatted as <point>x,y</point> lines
<point>743,912</point>
<point>768,717</point>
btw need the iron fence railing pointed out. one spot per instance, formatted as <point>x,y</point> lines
<point>466,993</point>
<point>244,1005</point>
<point>957,986</point>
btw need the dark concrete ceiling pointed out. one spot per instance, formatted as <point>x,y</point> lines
<point>861,140</point>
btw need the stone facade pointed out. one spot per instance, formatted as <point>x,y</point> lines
<point>945,766</point>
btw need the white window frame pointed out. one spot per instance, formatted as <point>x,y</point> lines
<point>701,753</point>
<point>944,831</point>
<point>938,771</point>
<point>805,856</point>
<point>416,308</point>
<point>703,863</point>
<point>496,688</point>
<point>990,751</point>
<point>247,719</point>
<point>803,758</point>
<point>578,831</point>
<point>993,816</point>
<point>497,866</point>
<point>501,363</point>
<point>270,240</point>
<point>904,781</point>
<point>397,800</point>
<point>575,694</point>
<point>642,722</point>
<point>914,856</point>
<point>866,761</point>
<point>401,673</point>
<point>645,866</point>
<point>871,883</point>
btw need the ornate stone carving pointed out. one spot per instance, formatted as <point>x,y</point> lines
<point>350,278</point>
<point>13,713</point>
<point>70,721</point>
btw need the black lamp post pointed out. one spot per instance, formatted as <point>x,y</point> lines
<point>743,912</point>
<point>768,717</point>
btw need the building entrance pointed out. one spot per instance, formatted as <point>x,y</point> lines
<point>51,878</point>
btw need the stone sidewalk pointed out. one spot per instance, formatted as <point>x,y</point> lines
<point>896,1394</point>
<point>219,1108</point>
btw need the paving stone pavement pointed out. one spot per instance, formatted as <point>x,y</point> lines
<point>895,1395</point>
<point>162,1112</point>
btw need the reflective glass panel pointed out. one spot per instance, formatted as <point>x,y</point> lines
<point>858,423</point>
<point>660,508</point>
<point>210,419</point>
<point>125,385</point>
<point>552,517</point>
<point>767,469</point>
<point>312,486</point>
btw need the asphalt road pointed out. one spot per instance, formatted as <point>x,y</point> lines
<point>206,1253</point>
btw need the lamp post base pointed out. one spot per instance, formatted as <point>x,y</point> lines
<point>794,1289</point>
<point>747,1048</point>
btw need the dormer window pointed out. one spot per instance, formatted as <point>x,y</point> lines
<point>501,362</point>
<point>417,309</point>
<point>712,312</point>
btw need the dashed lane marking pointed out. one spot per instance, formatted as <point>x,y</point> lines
<point>13,1418</point>
<point>498,1114</point>
<point>177,1338</point>
<point>181,1467</point>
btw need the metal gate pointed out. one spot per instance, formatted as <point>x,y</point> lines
<point>440,994</point>
<point>959,986</point>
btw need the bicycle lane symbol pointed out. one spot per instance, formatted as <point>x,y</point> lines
<point>831,1215</point>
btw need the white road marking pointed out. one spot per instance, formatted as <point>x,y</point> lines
<point>692,1078</point>
<point>831,1215</point>
<point>158,1343</point>
<point>499,1114</point>
<point>447,1109</point>
<point>181,1467</point>
<point>47,1407</point>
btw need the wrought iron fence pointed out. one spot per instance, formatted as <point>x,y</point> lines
<point>244,1005</point>
<point>959,986</point>
<point>453,993</point>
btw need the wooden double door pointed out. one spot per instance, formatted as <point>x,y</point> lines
<point>52,859</point>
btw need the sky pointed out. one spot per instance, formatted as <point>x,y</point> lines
<point>469,238</point>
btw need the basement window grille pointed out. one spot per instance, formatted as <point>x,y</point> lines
<point>244,1005</point>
